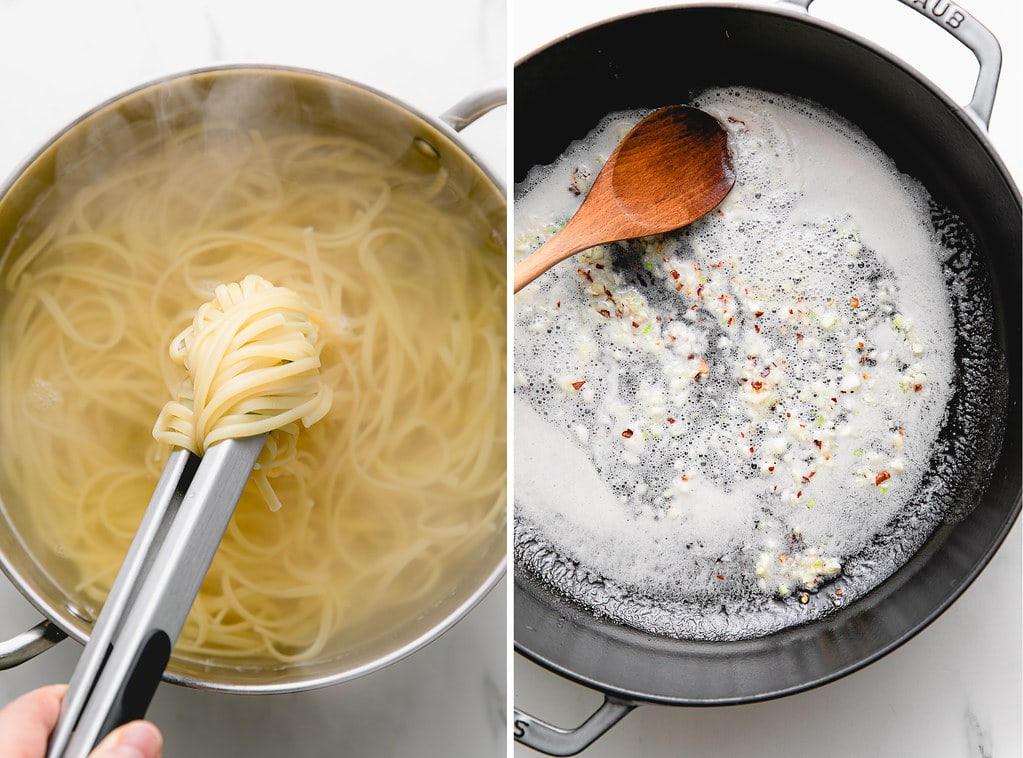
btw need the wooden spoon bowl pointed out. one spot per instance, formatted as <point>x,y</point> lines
<point>672,168</point>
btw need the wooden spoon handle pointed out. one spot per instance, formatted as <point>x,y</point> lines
<point>556,249</point>
<point>594,223</point>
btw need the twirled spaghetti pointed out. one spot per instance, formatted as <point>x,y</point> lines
<point>253,368</point>
<point>402,479</point>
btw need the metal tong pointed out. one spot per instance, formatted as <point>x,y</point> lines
<point>131,642</point>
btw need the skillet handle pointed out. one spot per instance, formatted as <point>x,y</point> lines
<point>555,740</point>
<point>975,36</point>
<point>981,42</point>
<point>470,108</point>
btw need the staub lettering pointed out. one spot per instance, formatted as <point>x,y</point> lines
<point>943,10</point>
<point>520,728</point>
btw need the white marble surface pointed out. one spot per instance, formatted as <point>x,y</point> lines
<point>954,691</point>
<point>59,58</point>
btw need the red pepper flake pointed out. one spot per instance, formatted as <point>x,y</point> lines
<point>731,320</point>
<point>757,386</point>
<point>799,337</point>
<point>917,387</point>
<point>578,385</point>
<point>756,328</point>
<point>599,265</point>
<point>581,272</point>
<point>557,304</point>
<point>635,325</point>
<point>818,443</point>
<point>672,421</point>
<point>675,274</point>
<point>882,476</point>
<point>839,592</point>
<point>758,314</point>
<point>720,577</point>
<point>699,291</point>
<point>855,302</point>
<point>751,451</point>
<point>703,366</point>
<point>604,312</point>
<point>627,433</point>
<point>799,494</point>
<point>770,468</point>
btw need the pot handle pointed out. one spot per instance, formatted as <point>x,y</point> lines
<point>555,740</point>
<point>470,108</point>
<point>28,645</point>
<point>977,37</point>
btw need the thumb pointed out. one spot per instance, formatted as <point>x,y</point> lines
<point>138,739</point>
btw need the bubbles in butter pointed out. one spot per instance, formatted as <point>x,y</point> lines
<point>723,416</point>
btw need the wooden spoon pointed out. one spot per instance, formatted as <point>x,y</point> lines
<point>671,169</point>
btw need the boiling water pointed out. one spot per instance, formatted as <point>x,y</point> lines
<point>743,425</point>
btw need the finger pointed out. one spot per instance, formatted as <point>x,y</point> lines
<point>138,739</point>
<point>26,723</point>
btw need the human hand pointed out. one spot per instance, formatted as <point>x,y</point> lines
<point>26,724</point>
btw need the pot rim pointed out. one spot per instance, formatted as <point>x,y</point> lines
<point>70,619</point>
<point>239,67</point>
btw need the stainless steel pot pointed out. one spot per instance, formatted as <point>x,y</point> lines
<point>304,99</point>
<point>653,58</point>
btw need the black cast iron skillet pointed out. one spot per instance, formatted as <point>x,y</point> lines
<point>655,58</point>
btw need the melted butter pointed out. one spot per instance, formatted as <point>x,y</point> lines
<point>743,404</point>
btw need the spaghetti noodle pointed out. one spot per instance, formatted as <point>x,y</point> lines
<point>253,368</point>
